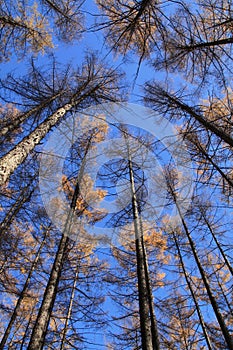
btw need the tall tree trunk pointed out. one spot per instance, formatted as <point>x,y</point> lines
<point>43,318</point>
<point>143,292</point>
<point>202,322</point>
<point>22,295</point>
<point>227,336</point>
<point>154,328</point>
<point>171,101</point>
<point>209,125</point>
<point>26,330</point>
<point>69,309</point>
<point>229,304</point>
<point>194,140</point>
<point>224,257</point>
<point>24,197</point>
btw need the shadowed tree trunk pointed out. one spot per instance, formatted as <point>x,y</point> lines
<point>158,96</point>
<point>202,322</point>
<point>149,333</point>
<point>225,332</point>
<point>22,295</point>
<point>63,341</point>
<point>41,325</point>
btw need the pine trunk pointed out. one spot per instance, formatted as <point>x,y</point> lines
<point>24,197</point>
<point>224,257</point>
<point>154,328</point>
<point>39,331</point>
<point>203,121</point>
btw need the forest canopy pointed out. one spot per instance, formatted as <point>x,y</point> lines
<point>116,174</point>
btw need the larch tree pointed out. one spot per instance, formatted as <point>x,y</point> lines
<point>171,179</point>
<point>169,275</point>
<point>94,82</point>
<point>129,170</point>
<point>31,96</point>
<point>77,207</point>
<point>22,28</point>
<point>26,27</point>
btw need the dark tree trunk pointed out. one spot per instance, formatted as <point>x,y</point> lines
<point>22,295</point>
<point>202,322</point>
<point>149,334</point>
<point>227,336</point>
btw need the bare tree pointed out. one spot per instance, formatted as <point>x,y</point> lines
<point>95,83</point>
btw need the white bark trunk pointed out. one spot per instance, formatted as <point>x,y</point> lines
<point>19,153</point>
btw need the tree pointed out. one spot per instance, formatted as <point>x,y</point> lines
<point>163,100</point>
<point>27,28</point>
<point>131,25</point>
<point>198,42</point>
<point>126,168</point>
<point>31,97</point>
<point>68,18</point>
<point>44,314</point>
<point>94,83</point>
<point>23,294</point>
<point>171,181</point>
<point>167,281</point>
<point>22,28</point>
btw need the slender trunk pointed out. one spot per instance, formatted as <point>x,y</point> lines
<point>144,309</point>
<point>224,296</point>
<point>209,125</point>
<point>224,329</point>
<point>26,330</point>
<point>69,309</point>
<point>201,150</point>
<point>154,328</point>
<point>22,295</point>
<point>202,322</point>
<point>24,197</point>
<point>182,330</point>
<point>22,117</point>
<point>43,318</point>
<point>225,259</point>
